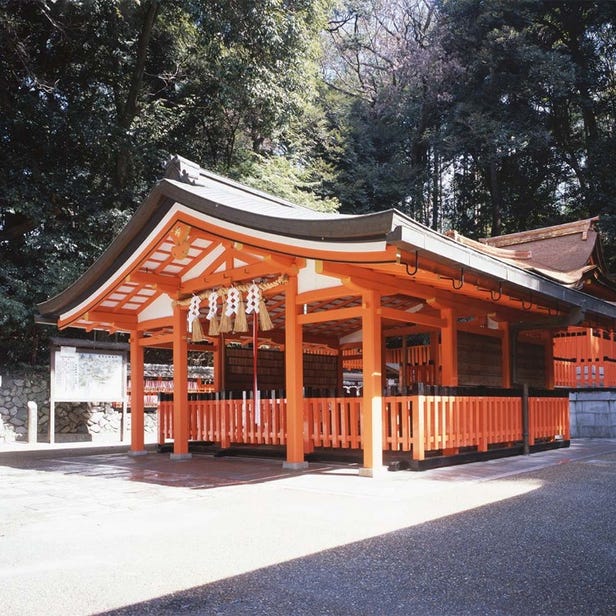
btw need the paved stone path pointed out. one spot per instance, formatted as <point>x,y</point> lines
<point>95,531</point>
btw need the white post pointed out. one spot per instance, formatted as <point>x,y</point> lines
<point>32,422</point>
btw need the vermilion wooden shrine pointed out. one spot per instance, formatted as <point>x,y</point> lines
<point>287,299</point>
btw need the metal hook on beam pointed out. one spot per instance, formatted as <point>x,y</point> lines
<point>458,284</point>
<point>416,269</point>
<point>530,303</point>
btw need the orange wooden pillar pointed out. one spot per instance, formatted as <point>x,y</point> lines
<point>372,404</point>
<point>180,384</point>
<point>449,348</point>
<point>137,445</point>
<point>294,379</point>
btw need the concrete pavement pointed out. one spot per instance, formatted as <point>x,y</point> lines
<point>90,531</point>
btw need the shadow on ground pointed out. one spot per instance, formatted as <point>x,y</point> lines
<point>199,472</point>
<point>549,551</point>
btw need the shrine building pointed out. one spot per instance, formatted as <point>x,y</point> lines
<point>451,340</point>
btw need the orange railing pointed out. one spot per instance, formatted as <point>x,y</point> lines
<point>548,418</point>
<point>449,423</point>
<point>333,422</point>
<point>585,357</point>
<point>229,421</point>
<point>420,423</point>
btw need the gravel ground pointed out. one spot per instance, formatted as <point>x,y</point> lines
<point>107,534</point>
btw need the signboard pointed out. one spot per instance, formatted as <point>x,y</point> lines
<point>80,375</point>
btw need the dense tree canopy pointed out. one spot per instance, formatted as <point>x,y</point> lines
<point>483,115</point>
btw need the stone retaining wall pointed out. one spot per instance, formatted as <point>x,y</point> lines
<point>74,421</point>
<point>15,391</point>
<point>593,413</point>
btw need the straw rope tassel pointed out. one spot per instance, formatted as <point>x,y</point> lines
<point>265,322</point>
<point>211,315</point>
<point>241,323</point>
<point>197,331</point>
<point>225,324</point>
<point>214,330</point>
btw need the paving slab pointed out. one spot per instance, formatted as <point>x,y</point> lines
<point>93,530</point>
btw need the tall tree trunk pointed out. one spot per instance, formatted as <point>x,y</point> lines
<point>130,108</point>
<point>496,198</point>
<point>436,189</point>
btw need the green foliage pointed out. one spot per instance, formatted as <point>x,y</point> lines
<point>489,116</point>
<point>287,178</point>
<point>95,95</point>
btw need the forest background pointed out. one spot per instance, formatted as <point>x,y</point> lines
<point>485,116</point>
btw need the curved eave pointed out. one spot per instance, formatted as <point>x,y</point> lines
<point>320,231</point>
<point>145,218</point>
<point>445,250</point>
<point>329,228</point>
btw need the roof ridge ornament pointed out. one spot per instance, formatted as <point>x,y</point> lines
<point>533,235</point>
<point>183,170</point>
<point>494,251</point>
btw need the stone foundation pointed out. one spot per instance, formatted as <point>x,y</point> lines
<point>15,391</point>
<point>74,421</point>
<point>593,413</point>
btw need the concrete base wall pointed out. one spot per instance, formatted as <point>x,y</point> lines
<point>593,413</point>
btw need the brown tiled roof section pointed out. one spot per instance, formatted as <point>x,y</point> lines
<point>562,252</point>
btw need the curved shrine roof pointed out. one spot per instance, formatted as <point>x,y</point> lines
<point>197,229</point>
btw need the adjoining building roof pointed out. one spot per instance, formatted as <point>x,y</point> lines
<point>177,239</point>
<point>569,253</point>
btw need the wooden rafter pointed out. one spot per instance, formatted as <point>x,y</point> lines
<point>117,320</point>
<point>161,282</point>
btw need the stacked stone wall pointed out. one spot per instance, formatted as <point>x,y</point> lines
<point>16,389</point>
<point>593,413</point>
<point>74,421</point>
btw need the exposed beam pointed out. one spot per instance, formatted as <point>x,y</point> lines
<point>337,314</point>
<point>237,274</point>
<point>438,296</point>
<point>113,318</point>
<point>323,295</point>
<point>162,282</point>
<point>414,317</point>
<point>471,290</point>
<point>359,279</point>
<point>152,324</point>
<point>157,340</point>
<point>407,330</point>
